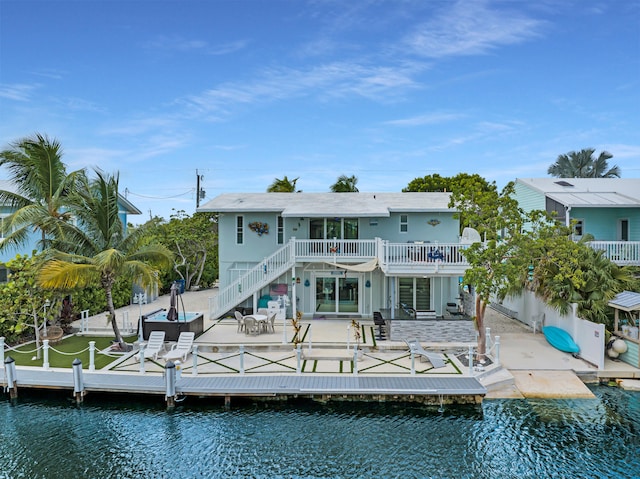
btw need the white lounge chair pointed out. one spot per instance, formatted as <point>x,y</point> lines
<point>154,346</point>
<point>435,359</point>
<point>182,348</point>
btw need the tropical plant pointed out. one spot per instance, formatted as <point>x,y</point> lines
<point>345,184</point>
<point>194,243</point>
<point>582,164</point>
<point>284,185</point>
<point>42,189</point>
<point>97,249</point>
<point>490,273</point>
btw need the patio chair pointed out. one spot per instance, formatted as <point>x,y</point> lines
<point>415,347</point>
<point>240,320</point>
<point>182,348</point>
<point>251,326</point>
<point>270,325</point>
<point>379,321</point>
<point>153,346</point>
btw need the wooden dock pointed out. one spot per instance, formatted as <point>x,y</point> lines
<point>323,387</point>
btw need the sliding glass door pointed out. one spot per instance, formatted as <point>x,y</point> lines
<point>337,294</point>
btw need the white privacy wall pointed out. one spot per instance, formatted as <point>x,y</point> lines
<point>589,336</point>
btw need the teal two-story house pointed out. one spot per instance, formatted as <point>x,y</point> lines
<point>125,208</point>
<point>338,254</point>
<point>607,209</point>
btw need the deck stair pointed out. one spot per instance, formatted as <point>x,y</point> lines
<point>264,273</point>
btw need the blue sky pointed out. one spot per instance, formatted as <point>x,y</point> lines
<point>249,91</point>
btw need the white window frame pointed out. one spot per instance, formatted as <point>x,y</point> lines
<point>280,230</point>
<point>404,223</point>
<point>240,229</point>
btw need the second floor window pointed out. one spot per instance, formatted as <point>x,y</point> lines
<point>280,230</point>
<point>578,228</point>
<point>239,229</point>
<point>404,223</point>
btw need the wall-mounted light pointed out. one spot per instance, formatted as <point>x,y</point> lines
<point>373,222</point>
<point>307,283</point>
<point>367,284</point>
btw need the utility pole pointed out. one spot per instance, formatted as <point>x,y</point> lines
<point>199,191</point>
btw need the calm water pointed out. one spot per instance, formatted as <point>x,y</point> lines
<point>53,438</point>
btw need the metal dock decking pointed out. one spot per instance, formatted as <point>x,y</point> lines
<point>280,386</point>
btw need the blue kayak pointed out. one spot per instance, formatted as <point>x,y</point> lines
<point>560,339</point>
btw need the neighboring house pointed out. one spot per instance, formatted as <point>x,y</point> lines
<point>338,254</point>
<point>125,208</point>
<point>608,209</point>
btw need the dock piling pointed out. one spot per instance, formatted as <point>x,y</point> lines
<point>45,351</point>
<point>1,349</point>
<point>78,382</point>
<point>170,383</point>
<point>141,353</point>
<point>242,359</point>
<point>12,379</point>
<point>194,355</point>
<point>92,355</point>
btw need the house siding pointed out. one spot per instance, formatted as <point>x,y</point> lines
<point>603,223</point>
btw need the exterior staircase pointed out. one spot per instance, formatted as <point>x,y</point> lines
<point>263,274</point>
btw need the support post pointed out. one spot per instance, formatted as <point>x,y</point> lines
<point>194,355</point>
<point>92,355</point>
<point>497,355</point>
<point>45,351</point>
<point>2,350</point>
<point>12,379</point>
<point>487,339</point>
<point>141,358</point>
<point>470,360</point>
<point>298,359</point>
<point>413,363</point>
<point>309,340</point>
<point>170,383</point>
<point>284,329</point>
<point>355,361</point>
<point>78,382</point>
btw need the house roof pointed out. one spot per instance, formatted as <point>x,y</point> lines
<point>125,204</point>
<point>588,192</point>
<point>626,301</point>
<point>329,204</point>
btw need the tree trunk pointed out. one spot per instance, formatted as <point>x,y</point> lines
<point>112,317</point>
<point>481,306</point>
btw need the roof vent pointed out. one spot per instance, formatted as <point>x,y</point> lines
<point>563,183</point>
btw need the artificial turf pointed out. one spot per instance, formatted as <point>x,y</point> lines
<point>64,352</point>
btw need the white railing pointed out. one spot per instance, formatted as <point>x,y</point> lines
<point>247,284</point>
<point>339,249</point>
<point>620,252</point>
<point>415,253</point>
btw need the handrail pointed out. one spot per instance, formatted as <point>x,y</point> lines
<point>620,252</point>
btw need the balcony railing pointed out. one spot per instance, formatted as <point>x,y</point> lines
<point>338,249</point>
<point>622,253</point>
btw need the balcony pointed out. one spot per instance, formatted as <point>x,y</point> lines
<point>622,253</point>
<point>393,258</point>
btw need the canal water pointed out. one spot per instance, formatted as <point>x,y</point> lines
<point>115,437</point>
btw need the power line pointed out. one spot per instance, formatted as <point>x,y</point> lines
<point>129,192</point>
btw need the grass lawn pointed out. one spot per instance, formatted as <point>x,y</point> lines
<point>73,344</point>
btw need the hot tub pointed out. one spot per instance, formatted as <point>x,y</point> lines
<point>186,322</point>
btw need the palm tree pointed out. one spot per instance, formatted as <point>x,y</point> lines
<point>42,188</point>
<point>97,249</point>
<point>284,185</point>
<point>345,184</point>
<point>582,164</point>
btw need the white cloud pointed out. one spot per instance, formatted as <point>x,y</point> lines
<point>17,91</point>
<point>177,43</point>
<point>427,119</point>
<point>470,28</point>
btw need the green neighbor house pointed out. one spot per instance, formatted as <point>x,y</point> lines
<point>338,255</point>
<point>607,209</point>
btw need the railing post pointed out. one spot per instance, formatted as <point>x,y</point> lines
<point>298,359</point>
<point>487,339</point>
<point>470,360</point>
<point>2,350</point>
<point>45,351</point>
<point>194,355</point>
<point>309,340</point>
<point>141,357</point>
<point>92,355</point>
<point>242,359</point>
<point>284,329</point>
<point>497,355</point>
<point>413,363</point>
<point>78,383</point>
<point>355,361</point>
